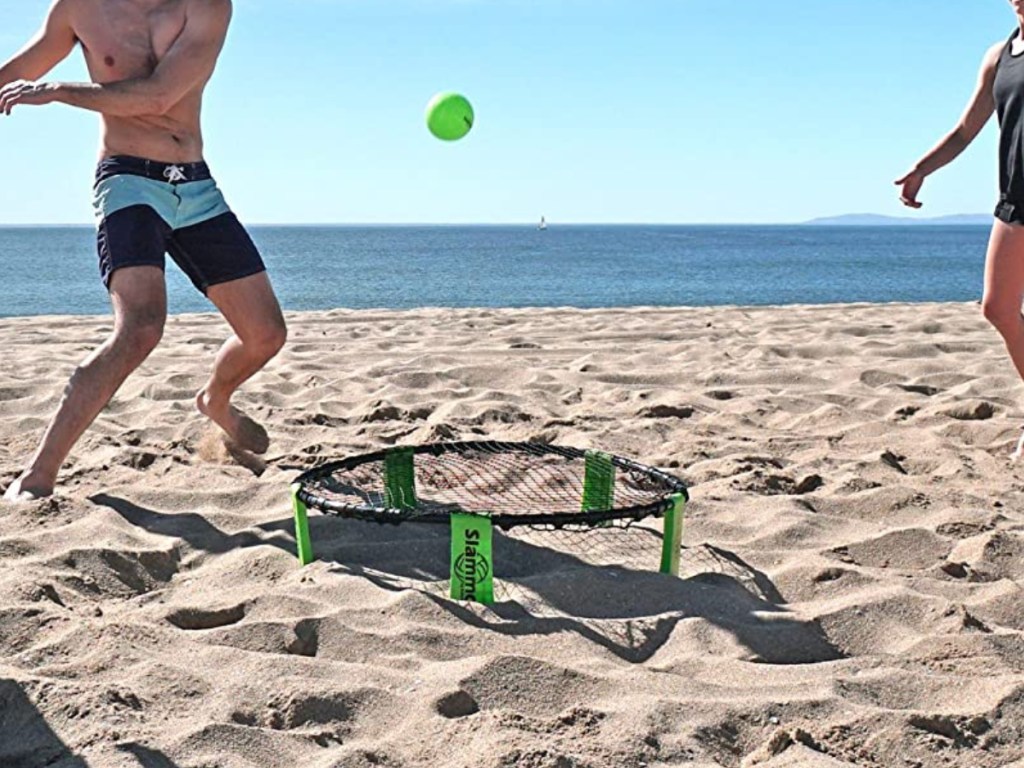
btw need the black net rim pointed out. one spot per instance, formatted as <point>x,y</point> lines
<point>380,514</point>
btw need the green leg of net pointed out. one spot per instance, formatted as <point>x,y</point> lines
<point>472,561</point>
<point>400,479</point>
<point>302,540</point>
<point>598,482</point>
<point>673,538</point>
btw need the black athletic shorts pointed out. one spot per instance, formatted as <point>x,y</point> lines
<point>148,209</point>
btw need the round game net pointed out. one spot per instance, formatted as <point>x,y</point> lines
<point>476,487</point>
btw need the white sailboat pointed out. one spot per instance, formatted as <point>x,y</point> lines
<point>543,224</point>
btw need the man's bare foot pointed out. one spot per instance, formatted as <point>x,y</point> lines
<point>243,431</point>
<point>27,488</point>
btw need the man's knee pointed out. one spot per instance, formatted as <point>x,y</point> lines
<point>269,338</point>
<point>138,335</point>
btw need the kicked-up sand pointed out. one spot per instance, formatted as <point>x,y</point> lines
<point>853,554</point>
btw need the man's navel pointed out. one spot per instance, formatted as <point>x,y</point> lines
<point>109,61</point>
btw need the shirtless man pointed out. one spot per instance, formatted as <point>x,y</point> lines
<point>149,61</point>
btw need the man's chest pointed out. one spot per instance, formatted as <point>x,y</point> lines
<point>128,38</point>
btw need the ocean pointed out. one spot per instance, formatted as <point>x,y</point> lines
<point>54,270</point>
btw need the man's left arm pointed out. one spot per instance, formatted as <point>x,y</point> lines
<point>188,64</point>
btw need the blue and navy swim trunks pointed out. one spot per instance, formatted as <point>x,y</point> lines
<point>146,209</point>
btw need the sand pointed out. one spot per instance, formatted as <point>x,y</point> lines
<point>853,556</point>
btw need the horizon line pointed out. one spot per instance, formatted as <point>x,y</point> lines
<point>551,225</point>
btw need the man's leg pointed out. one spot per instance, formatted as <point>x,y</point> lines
<point>139,299</point>
<point>252,311</point>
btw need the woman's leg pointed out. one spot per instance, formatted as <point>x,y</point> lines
<point>1004,290</point>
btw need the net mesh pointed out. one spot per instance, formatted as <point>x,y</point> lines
<point>515,484</point>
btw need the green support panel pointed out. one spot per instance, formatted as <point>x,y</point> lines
<point>598,482</point>
<point>400,479</point>
<point>673,537</point>
<point>302,540</point>
<point>472,560</point>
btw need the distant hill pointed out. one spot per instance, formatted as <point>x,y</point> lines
<point>876,220</point>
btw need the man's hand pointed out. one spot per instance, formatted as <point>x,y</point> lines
<point>26,92</point>
<point>911,184</point>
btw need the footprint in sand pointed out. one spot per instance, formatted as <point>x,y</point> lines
<point>979,410</point>
<point>920,389</point>
<point>720,394</point>
<point>666,412</point>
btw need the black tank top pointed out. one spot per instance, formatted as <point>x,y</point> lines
<point>1009,96</point>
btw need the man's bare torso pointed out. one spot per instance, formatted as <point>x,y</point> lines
<point>124,40</point>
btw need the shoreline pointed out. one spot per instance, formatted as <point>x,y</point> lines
<point>629,309</point>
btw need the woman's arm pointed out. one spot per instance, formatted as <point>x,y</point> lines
<point>978,112</point>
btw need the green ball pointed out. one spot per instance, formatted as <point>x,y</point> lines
<point>449,116</point>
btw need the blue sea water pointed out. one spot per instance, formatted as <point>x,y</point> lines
<point>54,270</point>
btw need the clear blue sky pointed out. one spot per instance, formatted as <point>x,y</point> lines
<point>588,111</point>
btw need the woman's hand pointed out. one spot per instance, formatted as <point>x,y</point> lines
<point>911,185</point>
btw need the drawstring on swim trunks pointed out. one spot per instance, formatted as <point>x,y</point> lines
<point>174,173</point>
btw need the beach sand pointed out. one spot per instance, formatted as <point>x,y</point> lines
<point>853,555</point>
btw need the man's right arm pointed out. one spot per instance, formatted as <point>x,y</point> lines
<point>51,45</point>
